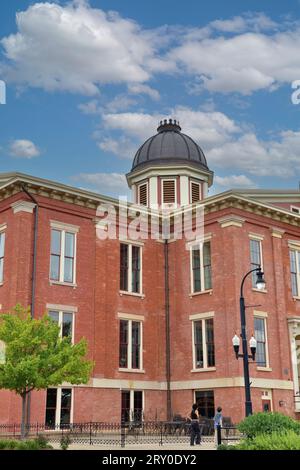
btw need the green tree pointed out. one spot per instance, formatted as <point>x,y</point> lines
<point>36,357</point>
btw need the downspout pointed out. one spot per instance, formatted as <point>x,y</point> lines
<point>33,283</point>
<point>167,317</point>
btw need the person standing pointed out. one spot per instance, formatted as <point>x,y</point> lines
<point>195,428</point>
<point>218,423</point>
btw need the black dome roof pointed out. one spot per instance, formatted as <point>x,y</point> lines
<point>169,146</point>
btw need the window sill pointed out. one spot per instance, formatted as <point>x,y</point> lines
<point>1,284</point>
<point>264,369</point>
<point>259,290</point>
<point>295,298</point>
<point>133,294</point>
<point>208,291</point>
<point>208,369</point>
<point>138,371</point>
<point>58,283</point>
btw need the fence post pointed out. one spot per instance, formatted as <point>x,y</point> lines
<point>219,436</point>
<point>161,434</point>
<point>123,431</point>
<point>91,442</point>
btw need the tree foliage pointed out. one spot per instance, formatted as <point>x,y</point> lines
<point>36,357</point>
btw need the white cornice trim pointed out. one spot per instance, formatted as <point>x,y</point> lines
<point>231,221</point>
<point>277,232</point>
<point>22,206</point>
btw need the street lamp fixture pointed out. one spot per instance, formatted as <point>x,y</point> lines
<point>260,284</point>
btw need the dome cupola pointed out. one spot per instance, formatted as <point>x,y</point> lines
<point>169,168</point>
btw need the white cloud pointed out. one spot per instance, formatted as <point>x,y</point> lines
<point>75,48</point>
<point>234,181</point>
<point>122,147</point>
<point>243,62</point>
<point>208,128</point>
<point>23,149</point>
<point>278,157</point>
<point>113,184</point>
<point>144,89</point>
<point>91,107</point>
<point>225,143</point>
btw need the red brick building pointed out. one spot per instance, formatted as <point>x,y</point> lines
<point>159,316</point>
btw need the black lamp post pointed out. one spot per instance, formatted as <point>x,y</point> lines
<point>260,284</point>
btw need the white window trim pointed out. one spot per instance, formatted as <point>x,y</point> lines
<point>168,204</point>
<point>147,193</point>
<point>296,249</point>
<point>200,190</point>
<point>58,405</point>
<point>196,318</point>
<point>63,232</point>
<point>295,207</point>
<point>129,269</point>
<point>268,397</point>
<point>3,231</point>
<point>198,245</point>
<point>129,346</point>
<point>263,316</point>
<point>259,239</point>
<point>131,409</point>
<point>60,321</point>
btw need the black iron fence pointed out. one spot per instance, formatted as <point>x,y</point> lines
<point>111,434</point>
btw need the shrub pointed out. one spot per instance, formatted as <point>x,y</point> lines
<point>42,442</point>
<point>8,444</point>
<point>35,444</point>
<point>65,442</point>
<point>287,440</point>
<point>267,423</point>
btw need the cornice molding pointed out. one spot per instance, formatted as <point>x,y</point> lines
<point>22,206</point>
<point>231,220</point>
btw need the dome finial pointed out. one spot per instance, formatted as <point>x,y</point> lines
<point>172,125</point>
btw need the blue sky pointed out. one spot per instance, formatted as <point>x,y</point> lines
<point>88,81</point>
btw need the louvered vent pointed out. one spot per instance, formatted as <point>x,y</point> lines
<point>168,191</point>
<point>143,194</point>
<point>195,189</point>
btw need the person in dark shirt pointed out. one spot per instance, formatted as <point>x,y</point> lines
<point>195,428</point>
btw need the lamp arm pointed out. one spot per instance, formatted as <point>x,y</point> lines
<point>244,278</point>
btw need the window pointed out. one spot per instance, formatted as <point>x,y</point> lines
<point>295,209</point>
<point>201,267</point>
<point>204,348</point>
<point>58,407</point>
<point>130,356</point>
<point>195,192</point>
<point>2,243</point>
<point>62,264</point>
<point>65,322</point>
<point>130,268</point>
<point>131,406</point>
<point>260,336</point>
<point>206,403</point>
<point>255,257</point>
<point>168,191</point>
<point>295,272</point>
<point>143,194</point>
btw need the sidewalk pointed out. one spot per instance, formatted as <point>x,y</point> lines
<point>206,445</point>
